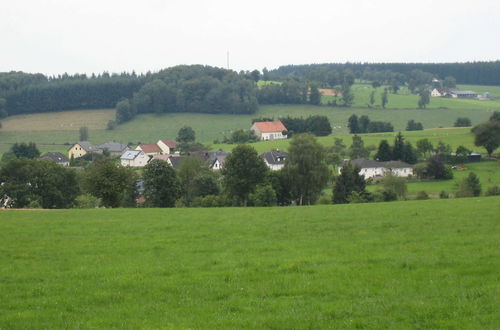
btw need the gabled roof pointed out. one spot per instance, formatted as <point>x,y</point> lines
<point>170,143</point>
<point>131,154</point>
<point>112,146</point>
<point>55,156</point>
<point>149,148</point>
<point>176,161</point>
<point>87,146</point>
<point>270,126</point>
<point>275,157</point>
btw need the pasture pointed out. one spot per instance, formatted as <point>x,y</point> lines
<point>52,130</point>
<point>412,265</point>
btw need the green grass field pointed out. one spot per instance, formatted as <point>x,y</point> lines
<point>406,265</point>
<point>405,100</point>
<point>60,128</point>
<point>493,90</point>
<point>487,171</point>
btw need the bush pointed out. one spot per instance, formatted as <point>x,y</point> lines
<point>462,122</point>
<point>396,185</point>
<point>264,196</point>
<point>325,200</point>
<point>443,194</point>
<point>469,187</point>
<point>111,125</point>
<point>385,196</point>
<point>87,201</point>
<point>357,197</point>
<point>421,195</point>
<point>493,191</point>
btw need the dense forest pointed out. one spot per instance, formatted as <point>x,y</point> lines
<point>205,89</point>
<point>193,88</point>
<point>478,73</point>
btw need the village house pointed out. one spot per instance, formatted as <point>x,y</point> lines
<point>82,148</point>
<point>269,130</point>
<point>436,93</point>
<point>275,159</point>
<point>374,169</point>
<point>167,146</point>
<point>56,157</point>
<point>150,149</point>
<point>134,158</point>
<point>114,148</point>
<point>215,160</point>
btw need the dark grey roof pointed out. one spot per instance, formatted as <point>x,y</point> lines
<point>113,146</point>
<point>275,157</point>
<point>88,147</point>
<point>177,161</point>
<point>368,163</point>
<point>209,156</point>
<point>56,157</point>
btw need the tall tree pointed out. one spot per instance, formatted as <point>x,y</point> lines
<point>306,169</point>
<point>384,97</point>
<point>384,152</point>
<point>186,134</point>
<point>189,170</point>
<point>357,148</point>
<point>347,182</point>
<point>84,133</point>
<point>399,147</point>
<point>243,170</point>
<point>487,135</point>
<point>161,186</point>
<point>40,182</point>
<point>353,124</point>
<point>109,182</point>
<point>424,98</point>
<point>372,98</point>
<point>314,95</point>
<point>23,150</point>
<point>424,147</point>
<point>124,111</point>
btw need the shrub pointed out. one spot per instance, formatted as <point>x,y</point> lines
<point>396,185</point>
<point>111,125</point>
<point>443,194</point>
<point>264,196</point>
<point>421,195</point>
<point>493,191</point>
<point>462,122</point>
<point>87,201</point>
<point>469,187</point>
<point>324,200</point>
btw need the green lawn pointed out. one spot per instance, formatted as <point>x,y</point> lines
<point>406,265</point>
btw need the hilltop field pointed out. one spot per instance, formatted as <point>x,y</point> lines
<point>413,265</point>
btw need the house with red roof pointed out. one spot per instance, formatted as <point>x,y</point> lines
<point>167,146</point>
<point>150,149</point>
<point>269,130</point>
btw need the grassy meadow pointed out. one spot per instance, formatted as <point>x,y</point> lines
<point>411,265</point>
<point>51,131</point>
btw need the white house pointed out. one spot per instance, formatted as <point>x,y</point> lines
<point>134,158</point>
<point>275,159</point>
<point>269,130</point>
<point>436,93</point>
<point>374,169</point>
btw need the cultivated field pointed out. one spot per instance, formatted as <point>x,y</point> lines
<point>411,265</point>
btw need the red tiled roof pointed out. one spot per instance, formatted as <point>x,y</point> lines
<point>149,148</point>
<point>270,126</point>
<point>170,143</point>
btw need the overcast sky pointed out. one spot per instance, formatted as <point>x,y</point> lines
<point>57,36</point>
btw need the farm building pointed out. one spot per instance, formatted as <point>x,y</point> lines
<point>82,148</point>
<point>269,130</point>
<point>150,149</point>
<point>374,169</point>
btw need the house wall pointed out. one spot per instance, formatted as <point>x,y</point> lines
<point>164,148</point>
<point>372,172</point>
<point>272,136</point>
<point>139,161</point>
<point>274,167</point>
<point>403,172</point>
<point>76,151</point>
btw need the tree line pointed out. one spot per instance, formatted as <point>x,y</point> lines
<point>479,73</point>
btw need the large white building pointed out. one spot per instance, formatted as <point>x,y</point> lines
<point>134,158</point>
<point>374,169</point>
<point>269,130</point>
